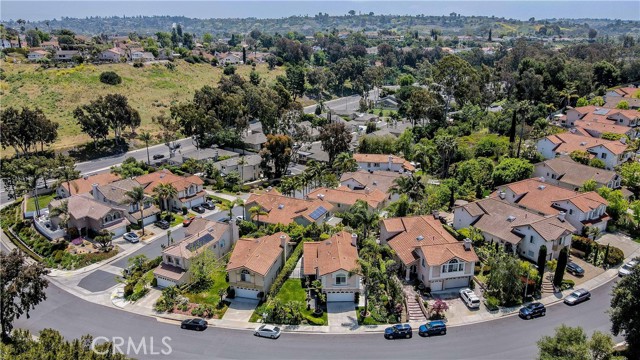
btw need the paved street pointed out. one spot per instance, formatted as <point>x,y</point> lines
<point>347,103</point>
<point>508,338</point>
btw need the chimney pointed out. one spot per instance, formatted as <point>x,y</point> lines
<point>235,231</point>
<point>390,161</point>
<point>269,188</point>
<point>623,140</point>
<point>86,177</point>
<point>467,244</point>
<point>283,244</point>
<point>561,216</point>
<point>321,196</point>
<point>542,179</point>
<point>502,195</point>
<point>94,191</point>
<point>354,240</point>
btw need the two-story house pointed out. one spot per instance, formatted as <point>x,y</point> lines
<point>518,230</point>
<point>372,162</point>
<point>90,216</point>
<point>280,209</point>
<point>115,195</point>
<point>342,198</point>
<point>361,180</point>
<point>84,184</point>
<point>36,55</point>
<point>176,259</point>
<point>612,153</point>
<point>112,55</point>
<point>566,173</point>
<point>536,195</point>
<point>594,114</point>
<point>331,261</point>
<point>66,55</point>
<point>255,263</point>
<point>248,167</point>
<point>426,251</point>
<point>190,188</point>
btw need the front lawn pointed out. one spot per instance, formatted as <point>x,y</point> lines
<point>43,201</point>
<point>177,219</point>
<point>211,295</point>
<point>292,291</point>
<point>369,320</point>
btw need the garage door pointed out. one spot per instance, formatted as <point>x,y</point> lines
<point>456,283</point>
<point>163,283</point>
<point>247,293</point>
<point>334,297</point>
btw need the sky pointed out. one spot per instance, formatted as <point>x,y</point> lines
<point>540,9</point>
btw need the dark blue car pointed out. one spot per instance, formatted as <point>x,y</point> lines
<point>398,331</point>
<point>433,328</point>
<point>533,310</point>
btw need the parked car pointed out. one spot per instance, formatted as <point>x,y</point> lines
<point>532,310</point>
<point>199,209</point>
<point>627,268</point>
<point>437,327</point>
<point>162,224</point>
<point>131,237</point>
<point>194,324</point>
<point>225,219</point>
<point>575,269</point>
<point>398,331</point>
<point>577,297</point>
<point>158,156</point>
<point>269,331</point>
<point>239,218</point>
<point>187,221</point>
<point>470,298</point>
<point>209,205</point>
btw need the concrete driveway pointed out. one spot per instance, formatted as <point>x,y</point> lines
<point>342,314</point>
<point>240,309</point>
<point>590,271</point>
<point>620,241</point>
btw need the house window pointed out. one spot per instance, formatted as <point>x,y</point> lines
<point>423,263</point>
<point>177,261</point>
<point>169,260</point>
<point>245,276</point>
<point>603,155</point>
<point>531,239</point>
<point>530,253</point>
<point>221,243</point>
<point>570,211</point>
<point>341,279</point>
<point>453,266</point>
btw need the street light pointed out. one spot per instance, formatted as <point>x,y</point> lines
<point>527,284</point>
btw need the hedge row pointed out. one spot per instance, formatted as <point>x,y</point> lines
<point>288,268</point>
<point>586,245</point>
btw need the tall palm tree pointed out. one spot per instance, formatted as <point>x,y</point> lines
<point>345,162</point>
<point>364,217</point>
<point>164,192</point>
<point>446,146</point>
<point>314,171</point>
<point>62,211</point>
<point>412,186</point>
<point>146,137</point>
<point>255,212</point>
<point>66,170</point>
<point>137,196</point>
<point>567,94</point>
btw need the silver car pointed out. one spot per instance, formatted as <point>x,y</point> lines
<point>131,237</point>
<point>627,268</point>
<point>577,297</point>
<point>269,331</point>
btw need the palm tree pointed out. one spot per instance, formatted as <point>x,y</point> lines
<point>412,186</point>
<point>345,162</point>
<point>137,196</point>
<point>62,211</point>
<point>365,218</point>
<point>421,154</point>
<point>255,212</point>
<point>146,137</point>
<point>367,273</point>
<point>164,192</point>
<point>314,171</point>
<point>567,94</point>
<point>446,146</point>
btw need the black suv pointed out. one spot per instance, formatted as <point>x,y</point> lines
<point>533,310</point>
<point>162,224</point>
<point>399,331</point>
<point>575,269</point>
<point>194,324</point>
<point>437,327</point>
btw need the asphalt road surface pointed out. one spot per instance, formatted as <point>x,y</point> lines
<point>508,338</point>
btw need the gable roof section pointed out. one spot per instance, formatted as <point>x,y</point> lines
<point>196,243</point>
<point>383,158</point>
<point>284,210</point>
<point>567,143</point>
<point>116,191</point>
<point>331,255</point>
<point>83,206</point>
<point>344,195</point>
<point>164,176</point>
<point>382,180</point>
<point>85,184</point>
<point>257,255</point>
<point>576,174</point>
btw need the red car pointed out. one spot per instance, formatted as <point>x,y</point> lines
<point>187,221</point>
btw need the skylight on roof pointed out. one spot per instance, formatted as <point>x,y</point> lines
<point>601,112</point>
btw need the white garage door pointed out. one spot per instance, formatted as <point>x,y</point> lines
<point>456,283</point>
<point>334,297</point>
<point>163,283</point>
<point>246,293</point>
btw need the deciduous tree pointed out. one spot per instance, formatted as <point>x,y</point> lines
<point>335,139</point>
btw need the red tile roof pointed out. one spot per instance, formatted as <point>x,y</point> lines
<point>328,256</point>
<point>257,255</point>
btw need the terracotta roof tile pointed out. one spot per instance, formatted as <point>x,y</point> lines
<point>576,174</point>
<point>333,254</point>
<point>283,209</point>
<point>383,158</point>
<point>343,195</point>
<point>568,143</point>
<point>85,184</point>
<point>257,255</point>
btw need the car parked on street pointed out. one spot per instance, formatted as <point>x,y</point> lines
<point>577,297</point>
<point>225,219</point>
<point>575,269</point>
<point>437,327</point>
<point>470,298</point>
<point>162,224</point>
<point>239,218</point>
<point>131,237</point>
<point>398,331</point>
<point>209,205</point>
<point>194,324</point>
<point>269,331</point>
<point>158,156</point>
<point>199,209</point>
<point>532,310</point>
<point>627,268</point>
<point>187,221</point>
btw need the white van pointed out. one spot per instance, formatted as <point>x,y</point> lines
<point>470,298</point>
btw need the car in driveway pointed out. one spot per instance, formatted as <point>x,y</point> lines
<point>532,310</point>
<point>574,269</point>
<point>225,219</point>
<point>239,218</point>
<point>470,298</point>
<point>577,297</point>
<point>194,324</point>
<point>199,209</point>
<point>158,156</point>
<point>209,205</point>
<point>187,221</point>
<point>162,224</point>
<point>398,331</point>
<point>627,268</point>
<point>131,237</point>
<point>268,331</point>
<point>431,328</point>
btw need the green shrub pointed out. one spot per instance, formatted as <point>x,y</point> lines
<point>184,210</point>
<point>128,290</point>
<point>616,256</point>
<point>287,269</point>
<point>492,303</point>
<point>318,321</point>
<point>110,78</point>
<point>567,284</point>
<point>154,282</point>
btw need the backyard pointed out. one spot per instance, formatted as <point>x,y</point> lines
<point>43,201</point>
<point>211,296</point>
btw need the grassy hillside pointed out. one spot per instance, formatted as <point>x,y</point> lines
<point>150,90</point>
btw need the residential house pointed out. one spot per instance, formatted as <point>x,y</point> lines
<point>427,252</point>
<point>112,55</point>
<point>228,59</point>
<point>66,55</point>
<point>331,261</point>
<point>253,140</point>
<point>248,167</point>
<point>343,198</point>
<point>115,195</point>
<point>90,216</point>
<point>591,114</point>
<point>518,230</point>
<point>612,153</point>
<point>176,259</point>
<point>37,55</point>
<point>190,189</point>
<point>383,162</point>
<point>50,45</point>
<point>580,209</point>
<point>612,102</point>
<point>84,184</point>
<point>255,263</point>
<point>142,56</point>
<point>313,151</point>
<point>566,173</point>
<point>361,180</point>
<point>598,128</point>
<point>280,209</point>
<point>623,92</point>
<point>207,154</point>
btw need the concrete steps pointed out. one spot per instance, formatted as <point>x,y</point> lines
<point>547,285</point>
<point>414,312</point>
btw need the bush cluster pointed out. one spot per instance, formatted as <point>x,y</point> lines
<point>110,78</point>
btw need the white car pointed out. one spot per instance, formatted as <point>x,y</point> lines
<point>470,298</point>
<point>269,331</point>
<point>131,237</point>
<point>627,268</point>
<point>239,218</point>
